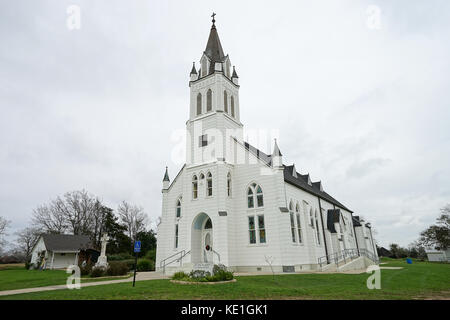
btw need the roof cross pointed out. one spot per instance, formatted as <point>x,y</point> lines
<point>213,16</point>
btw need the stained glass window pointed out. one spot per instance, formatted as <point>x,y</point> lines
<point>251,228</point>
<point>262,229</point>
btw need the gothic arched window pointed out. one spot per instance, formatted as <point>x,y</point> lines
<point>199,104</point>
<point>291,217</point>
<point>229,184</point>
<point>194,187</point>
<point>209,184</point>
<point>254,196</point>
<point>209,100</point>
<point>178,208</point>
<point>299,226</point>
<point>317,228</point>
<point>208,224</point>
<point>225,101</point>
<point>232,106</point>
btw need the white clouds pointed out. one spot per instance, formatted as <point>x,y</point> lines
<point>365,111</point>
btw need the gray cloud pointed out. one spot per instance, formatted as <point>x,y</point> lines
<point>365,111</point>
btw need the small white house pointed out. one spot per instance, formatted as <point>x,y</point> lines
<point>57,251</point>
<point>438,255</point>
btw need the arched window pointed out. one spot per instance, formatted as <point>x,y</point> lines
<point>209,184</point>
<point>317,228</point>
<point>178,208</point>
<point>254,191</point>
<point>229,184</point>
<point>199,104</point>
<point>311,218</point>
<point>194,187</point>
<point>202,176</point>
<point>299,225</point>
<point>209,100</point>
<point>232,106</point>
<point>291,216</point>
<point>225,101</point>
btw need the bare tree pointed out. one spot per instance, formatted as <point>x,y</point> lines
<point>4,225</point>
<point>76,212</point>
<point>133,217</point>
<point>26,238</point>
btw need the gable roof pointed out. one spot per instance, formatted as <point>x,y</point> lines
<point>301,181</point>
<point>66,242</point>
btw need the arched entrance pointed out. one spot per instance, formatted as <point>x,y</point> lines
<point>202,239</point>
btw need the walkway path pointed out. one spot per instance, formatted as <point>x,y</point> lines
<point>140,276</point>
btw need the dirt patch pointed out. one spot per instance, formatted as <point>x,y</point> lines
<point>444,295</point>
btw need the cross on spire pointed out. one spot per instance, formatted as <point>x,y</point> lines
<point>213,16</point>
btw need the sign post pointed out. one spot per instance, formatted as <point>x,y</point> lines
<point>137,248</point>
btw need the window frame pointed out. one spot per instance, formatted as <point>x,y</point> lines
<point>199,104</point>
<point>209,188</point>
<point>194,187</point>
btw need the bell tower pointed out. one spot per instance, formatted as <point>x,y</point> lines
<point>214,114</point>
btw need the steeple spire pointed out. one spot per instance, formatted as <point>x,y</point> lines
<point>214,49</point>
<point>166,175</point>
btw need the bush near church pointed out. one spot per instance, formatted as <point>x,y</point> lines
<point>220,273</point>
<point>145,265</point>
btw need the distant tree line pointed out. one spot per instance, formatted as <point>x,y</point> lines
<point>81,213</point>
<point>436,236</point>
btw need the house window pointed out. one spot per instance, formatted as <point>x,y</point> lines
<point>229,184</point>
<point>232,106</point>
<point>209,184</point>
<point>225,101</point>
<point>178,209</point>
<point>254,191</point>
<point>209,100</point>
<point>261,229</point>
<point>194,187</point>
<point>251,229</point>
<point>203,140</point>
<point>299,226</point>
<point>199,104</point>
<point>176,236</point>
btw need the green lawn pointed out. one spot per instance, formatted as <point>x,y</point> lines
<point>420,280</point>
<point>14,277</point>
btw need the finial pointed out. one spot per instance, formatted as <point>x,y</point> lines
<point>213,18</point>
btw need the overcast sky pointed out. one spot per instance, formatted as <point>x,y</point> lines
<point>359,103</point>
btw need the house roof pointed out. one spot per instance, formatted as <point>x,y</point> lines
<point>66,242</point>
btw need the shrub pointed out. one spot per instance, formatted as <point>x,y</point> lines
<point>117,268</point>
<point>129,263</point>
<point>97,272</point>
<point>145,265</point>
<point>222,275</point>
<point>86,269</point>
<point>120,257</point>
<point>197,274</point>
<point>28,265</point>
<point>151,255</point>
<point>180,276</point>
<point>218,267</point>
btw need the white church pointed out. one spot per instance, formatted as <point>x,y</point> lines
<point>238,206</point>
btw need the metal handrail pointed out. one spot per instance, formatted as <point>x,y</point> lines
<point>218,255</point>
<point>181,254</point>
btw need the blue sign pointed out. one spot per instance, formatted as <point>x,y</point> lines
<point>137,246</point>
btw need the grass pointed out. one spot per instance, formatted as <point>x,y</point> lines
<point>17,277</point>
<point>420,280</point>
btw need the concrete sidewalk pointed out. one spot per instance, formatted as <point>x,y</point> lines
<point>140,276</point>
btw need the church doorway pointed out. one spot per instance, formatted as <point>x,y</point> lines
<point>202,239</point>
